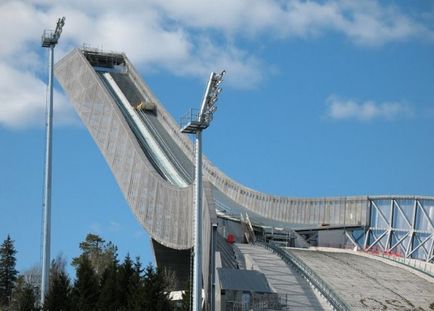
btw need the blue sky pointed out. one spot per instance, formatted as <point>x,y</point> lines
<point>321,98</point>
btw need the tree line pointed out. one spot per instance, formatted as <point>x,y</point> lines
<point>102,282</point>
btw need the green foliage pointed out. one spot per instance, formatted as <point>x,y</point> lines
<point>59,296</point>
<point>86,286</point>
<point>126,272</point>
<point>8,274</point>
<point>23,296</point>
<point>136,288</point>
<point>104,284</point>
<point>156,293</point>
<point>101,283</point>
<point>109,288</point>
<point>100,253</point>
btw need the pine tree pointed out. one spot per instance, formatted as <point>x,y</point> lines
<point>99,252</point>
<point>86,287</point>
<point>136,297</point>
<point>109,298</point>
<point>126,272</point>
<point>59,296</point>
<point>8,274</point>
<point>156,290</point>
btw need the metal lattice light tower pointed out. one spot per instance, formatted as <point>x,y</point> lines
<point>196,124</point>
<point>49,40</point>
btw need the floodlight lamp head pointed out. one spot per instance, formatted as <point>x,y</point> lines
<point>221,75</point>
<point>216,92</point>
<point>50,37</point>
<point>59,27</point>
<point>205,115</point>
<point>210,98</point>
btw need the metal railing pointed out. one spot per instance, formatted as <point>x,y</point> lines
<point>416,264</point>
<point>166,148</point>
<point>191,115</point>
<point>333,298</point>
<point>260,303</point>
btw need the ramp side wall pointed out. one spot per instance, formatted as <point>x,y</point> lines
<point>164,210</point>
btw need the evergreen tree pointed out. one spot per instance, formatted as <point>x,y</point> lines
<point>59,296</point>
<point>23,296</point>
<point>136,293</point>
<point>86,287</point>
<point>156,290</point>
<point>109,298</point>
<point>126,272</point>
<point>8,274</point>
<point>99,252</point>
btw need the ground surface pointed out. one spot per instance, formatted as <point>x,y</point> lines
<point>369,284</point>
<point>294,291</point>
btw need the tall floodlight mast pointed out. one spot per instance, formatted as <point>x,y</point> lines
<point>196,124</point>
<point>49,40</point>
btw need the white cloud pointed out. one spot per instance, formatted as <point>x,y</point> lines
<point>23,100</point>
<point>178,36</point>
<point>344,109</point>
<point>20,25</point>
<point>228,16</point>
<point>369,23</point>
<point>135,28</point>
<point>244,69</point>
<point>364,22</point>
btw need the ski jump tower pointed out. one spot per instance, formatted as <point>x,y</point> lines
<point>153,164</point>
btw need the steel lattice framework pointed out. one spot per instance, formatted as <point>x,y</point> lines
<point>402,226</point>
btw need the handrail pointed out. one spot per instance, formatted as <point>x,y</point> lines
<point>415,264</point>
<point>250,228</point>
<point>187,175</point>
<point>190,116</point>
<point>159,139</point>
<point>163,161</point>
<point>290,259</point>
